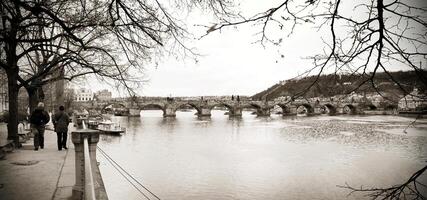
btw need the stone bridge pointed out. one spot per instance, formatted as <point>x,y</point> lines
<point>288,106</point>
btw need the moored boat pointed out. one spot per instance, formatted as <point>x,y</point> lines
<point>109,127</point>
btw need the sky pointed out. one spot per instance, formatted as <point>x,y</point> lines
<point>231,63</point>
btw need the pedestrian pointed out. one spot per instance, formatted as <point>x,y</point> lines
<point>60,122</point>
<point>38,119</point>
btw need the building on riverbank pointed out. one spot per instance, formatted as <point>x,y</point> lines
<point>415,101</point>
<point>83,94</point>
<point>103,95</point>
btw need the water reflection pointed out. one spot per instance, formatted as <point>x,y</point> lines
<point>168,124</point>
<point>261,158</point>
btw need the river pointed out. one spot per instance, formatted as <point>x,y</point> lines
<point>261,158</point>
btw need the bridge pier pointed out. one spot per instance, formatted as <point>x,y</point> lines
<point>347,110</point>
<point>169,112</point>
<point>339,110</point>
<point>292,110</point>
<point>134,112</point>
<point>288,110</point>
<point>263,111</point>
<point>235,112</point>
<point>317,110</point>
<point>204,112</point>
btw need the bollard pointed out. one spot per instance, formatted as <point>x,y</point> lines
<point>78,138</point>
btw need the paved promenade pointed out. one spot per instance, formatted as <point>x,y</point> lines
<point>44,174</point>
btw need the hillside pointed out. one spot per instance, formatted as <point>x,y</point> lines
<point>330,85</point>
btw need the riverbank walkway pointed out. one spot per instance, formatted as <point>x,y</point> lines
<point>43,174</point>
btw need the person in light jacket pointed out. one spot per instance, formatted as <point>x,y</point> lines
<point>60,122</point>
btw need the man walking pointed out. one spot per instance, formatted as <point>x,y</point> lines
<point>60,122</point>
<point>38,119</point>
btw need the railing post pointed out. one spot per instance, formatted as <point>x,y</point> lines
<point>78,138</point>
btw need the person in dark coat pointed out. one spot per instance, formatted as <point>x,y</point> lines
<point>38,119</point>
<point>60,122</point>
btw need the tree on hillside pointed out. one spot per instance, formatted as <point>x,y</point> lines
<point>365,37</point>
<point>112,39</point>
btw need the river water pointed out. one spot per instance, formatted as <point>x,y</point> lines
<point>261,158</point>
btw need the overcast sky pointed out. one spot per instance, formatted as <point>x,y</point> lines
<point>230,65</point>
<point>231,62</point>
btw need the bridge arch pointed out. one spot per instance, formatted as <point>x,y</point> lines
<point>305,108</point>
<point>391,107</point>
<point>180,106</point>
<point>152,105</point>
<point>261,110</point>
<point>232,110</point>
<point>254,105</point>
<point>285,109</point>
<point>229,107</point>
<point>371,107</point>
<point>112,104</point>
<point>349,109</point>
<point>328,109</point>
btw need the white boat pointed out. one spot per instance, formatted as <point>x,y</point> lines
<point>109,127</point>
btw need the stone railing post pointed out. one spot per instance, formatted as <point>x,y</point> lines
<point>77,137</point>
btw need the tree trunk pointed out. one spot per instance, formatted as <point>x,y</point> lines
<point>33,98</point>
<point>12,71</point>
<point>35,95</point>
<point>59,91</point>
<point>12,125</point>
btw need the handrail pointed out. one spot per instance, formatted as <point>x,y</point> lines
<point>89,187</point>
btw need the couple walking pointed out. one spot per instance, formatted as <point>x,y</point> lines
<point>39,118</point>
